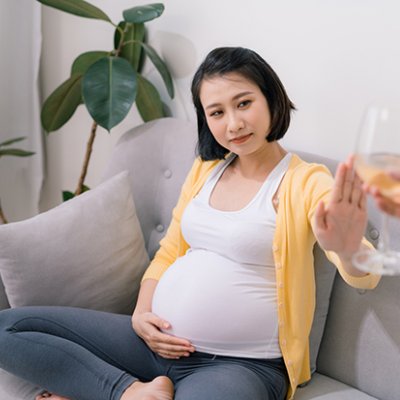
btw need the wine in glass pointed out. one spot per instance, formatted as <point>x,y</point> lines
<point>377,156</point>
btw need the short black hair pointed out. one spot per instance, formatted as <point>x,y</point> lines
<point>248,63</point>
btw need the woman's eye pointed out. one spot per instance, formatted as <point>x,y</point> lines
<point>216,113</point>
<point>244,103</point>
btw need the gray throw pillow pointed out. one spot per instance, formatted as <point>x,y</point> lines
<point>14,388</point>
<point>87,252</point>
<point>3,298</point>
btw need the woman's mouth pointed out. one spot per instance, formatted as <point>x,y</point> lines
<point>241,139</point>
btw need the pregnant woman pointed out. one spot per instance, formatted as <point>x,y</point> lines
<point>226,306</point>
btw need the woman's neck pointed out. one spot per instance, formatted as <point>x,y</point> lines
<point>260,164</point>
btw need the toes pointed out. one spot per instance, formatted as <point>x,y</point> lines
<point>43,395</point>
<point>50,396</point>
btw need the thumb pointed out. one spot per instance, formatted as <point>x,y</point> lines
<point>319,216</point>
<point>159,322</point>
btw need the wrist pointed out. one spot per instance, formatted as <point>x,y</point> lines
<point>348,265</point>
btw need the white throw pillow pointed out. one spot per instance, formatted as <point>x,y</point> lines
<point>88,252</point>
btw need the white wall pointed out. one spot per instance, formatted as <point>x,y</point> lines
<point>333,56</point>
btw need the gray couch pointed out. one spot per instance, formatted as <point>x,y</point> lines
<point>355,339</point>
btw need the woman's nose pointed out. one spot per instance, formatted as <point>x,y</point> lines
<point>235,123</point>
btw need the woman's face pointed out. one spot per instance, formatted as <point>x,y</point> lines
<point>237,113</point>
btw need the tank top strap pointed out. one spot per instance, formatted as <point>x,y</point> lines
<point>271,184</point>
<point>263,199</point>
<point>212,179</point>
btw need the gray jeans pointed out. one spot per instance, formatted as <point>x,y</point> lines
<point>92,355</point>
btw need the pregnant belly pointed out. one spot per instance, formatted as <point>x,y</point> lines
<point>220,306</point>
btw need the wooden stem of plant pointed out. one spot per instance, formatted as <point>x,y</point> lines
<point>3,219</point>
<point>89,148</point>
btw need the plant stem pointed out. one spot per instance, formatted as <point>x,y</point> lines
<point>3,219</point>
<point>89,148</point>
<point>121,40</point>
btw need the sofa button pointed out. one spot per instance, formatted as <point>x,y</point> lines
<point>160,228</point>
<point>275,247</point>
<point>374,234</point>
<point>290,363</point>
<point>279,265</point>
<point>167,173</point>
<point>284,342</point>
<point>281,285</point>
<point>280,305</point>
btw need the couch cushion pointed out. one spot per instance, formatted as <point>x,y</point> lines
<point>322,387</point>
<point>88,252</point>
<point>3,297</point>
<point>158,155</point>
<point>361,343</point>
<point>14,388</point>
<point>324,272</point>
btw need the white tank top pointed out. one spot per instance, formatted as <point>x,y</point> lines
<point>221,295</point>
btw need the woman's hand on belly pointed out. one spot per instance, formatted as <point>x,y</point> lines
<point>148,326</point>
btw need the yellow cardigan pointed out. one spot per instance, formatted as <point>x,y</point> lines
<point>303,186</point>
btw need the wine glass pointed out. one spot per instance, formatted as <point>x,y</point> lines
<point>377,154</point>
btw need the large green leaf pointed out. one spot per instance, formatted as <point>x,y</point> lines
<point>145,13</point>
<point>132,50</point>
<point>85,60</point>
<point>61,104</point>
<point>11,141</point>
<point>109,89</point>
<point>162,68</point>
<point>77,7</point>
<point>148,100</point>
<point>15,152</point>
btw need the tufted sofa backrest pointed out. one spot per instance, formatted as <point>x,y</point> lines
<point>158,156</point>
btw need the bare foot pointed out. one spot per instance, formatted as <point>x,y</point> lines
<point>47,395</point>
<point>161,388</point>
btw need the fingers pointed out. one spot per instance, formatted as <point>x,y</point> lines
<point>337,190</point>
<point>357,195</point>
<point>169,346</point>
<point>151,329</point>
<point>386,204</point>
<point>347,185</point>
<point>395,175</point>
<point>158,322</point>
<point>319,216</point>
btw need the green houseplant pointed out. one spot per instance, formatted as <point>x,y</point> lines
<point>108,82</point>
<point>5,150</point>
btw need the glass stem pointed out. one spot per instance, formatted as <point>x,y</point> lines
<point>383,244</point>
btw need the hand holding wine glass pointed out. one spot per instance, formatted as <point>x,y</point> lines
<point>386,204</point>
<point>377,163</point>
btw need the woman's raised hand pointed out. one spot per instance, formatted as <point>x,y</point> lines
<point>340,225</point>
<point>149,327</point>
